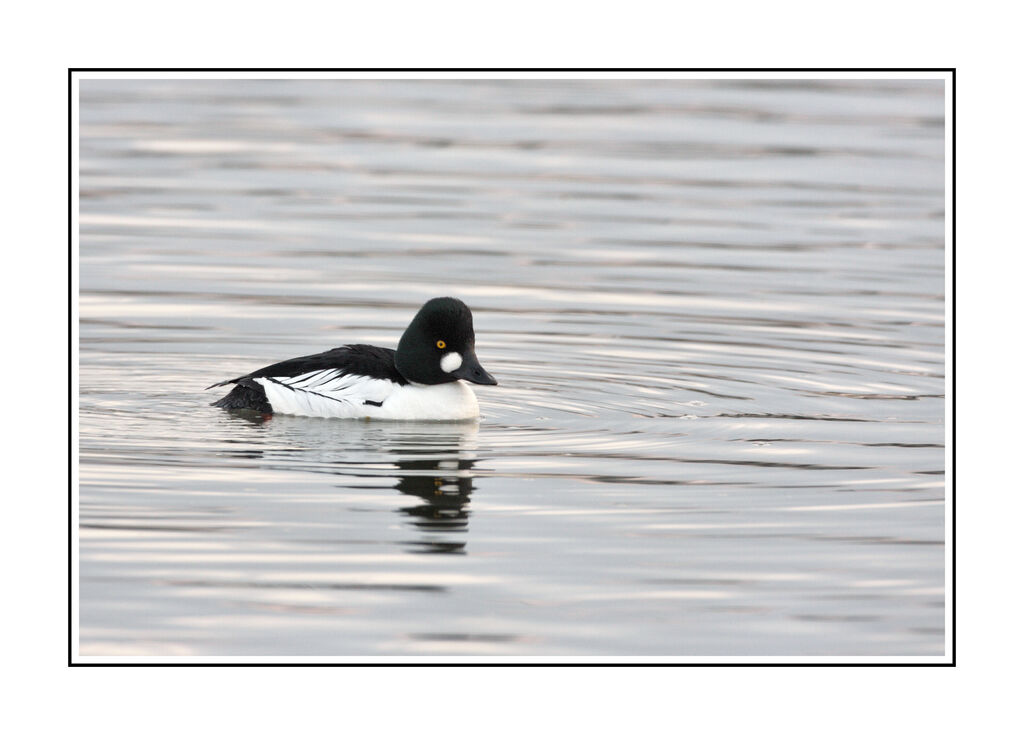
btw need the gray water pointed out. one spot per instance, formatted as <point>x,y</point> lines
<point>715,311</point>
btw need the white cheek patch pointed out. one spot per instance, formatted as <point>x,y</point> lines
<point>451,361</point>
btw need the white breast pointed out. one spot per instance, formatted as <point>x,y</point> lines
<point>446,402</point>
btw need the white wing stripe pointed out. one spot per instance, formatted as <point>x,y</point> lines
<point>297,380</point>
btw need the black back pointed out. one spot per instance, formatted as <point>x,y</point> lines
<point>368,360</point>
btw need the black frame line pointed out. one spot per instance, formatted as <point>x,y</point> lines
<point>950,330</point>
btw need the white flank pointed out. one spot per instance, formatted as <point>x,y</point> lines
<point>330,394</point>
<point>325,393</point>
<point>451,361</point>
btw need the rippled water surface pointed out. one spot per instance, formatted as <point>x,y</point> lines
<point>715,311</point>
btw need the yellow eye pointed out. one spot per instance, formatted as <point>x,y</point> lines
<point>441,344</point>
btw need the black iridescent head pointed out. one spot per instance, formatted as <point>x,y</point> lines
<point>439,346</point>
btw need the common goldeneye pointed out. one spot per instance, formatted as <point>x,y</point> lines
<point>420,381</point>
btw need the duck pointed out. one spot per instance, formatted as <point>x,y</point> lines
<point>423,379</point>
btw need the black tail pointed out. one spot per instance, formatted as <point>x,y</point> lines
<point>247,394</point>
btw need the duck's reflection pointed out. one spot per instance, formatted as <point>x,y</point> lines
<point>432,462</point>
<point>445,486</point>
